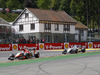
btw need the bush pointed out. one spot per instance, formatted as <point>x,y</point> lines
<point>3,12</point>
<point>10,17</point>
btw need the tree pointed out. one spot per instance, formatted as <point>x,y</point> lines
<point>44,4</point>
<point>98,16</point>
<point>73,8</point>
<point>64,5</point>
<point>48,4</point>
<point>55,4</point>
<point>13,4</point>
<point>3,3</point>
<point>28,3</point>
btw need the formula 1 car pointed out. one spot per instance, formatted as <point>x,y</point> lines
<point>25,54</point>
<point>74,49</point>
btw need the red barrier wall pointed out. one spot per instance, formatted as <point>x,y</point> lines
<point>53,46</point>
<point>85,45</point>
<point>29,46</point>
<point>96,44</point>
<point>47,46</point>
<point>5,47</point>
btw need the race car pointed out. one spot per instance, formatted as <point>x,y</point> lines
<point>25,54</point>
<point>74,49</point>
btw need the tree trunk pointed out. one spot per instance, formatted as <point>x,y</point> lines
<point>99,18</point>
<point>87,10</point>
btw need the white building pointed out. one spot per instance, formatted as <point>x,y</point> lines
<point>81,32</point>
<point>51,25</point>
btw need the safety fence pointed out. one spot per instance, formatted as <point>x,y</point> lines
<point>47,46</point>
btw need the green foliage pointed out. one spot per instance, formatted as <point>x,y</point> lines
<point>55,4</point>
<point>44,4</point>
<point>10,17</point>
<point>48,4</point>
<point>13,4</point>
<point>3,12</point>
<point>73,7</point>
<point>2,4</point>
<point>64,5</point>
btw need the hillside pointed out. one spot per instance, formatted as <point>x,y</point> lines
<point>9,17</point>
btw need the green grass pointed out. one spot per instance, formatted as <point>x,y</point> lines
<point>15,63</point>
<point>9,17</point>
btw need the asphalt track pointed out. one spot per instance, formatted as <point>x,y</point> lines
<point>43,53</point>
<point>75,64</point>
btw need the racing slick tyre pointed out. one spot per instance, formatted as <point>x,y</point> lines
<point>72,51</point>
<point>11,57</point>
<point>83,50</point>
<point>76,51</point>
<point>37,55</point>
<point>27,56</point>
<point>64,52</point>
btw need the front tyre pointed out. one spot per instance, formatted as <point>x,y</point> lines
<point>11,57</point>
<point>83,50</point>
<point>76,51</point>
<point>64,52</point>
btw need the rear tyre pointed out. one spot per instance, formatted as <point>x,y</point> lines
<point>37,55</point>
<point>27,56</point>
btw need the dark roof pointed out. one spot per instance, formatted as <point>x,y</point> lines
<point>51,15</point>
<point>80,25</point>
<point>2,21</point>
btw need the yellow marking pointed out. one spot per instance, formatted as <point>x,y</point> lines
<point>63,49</point>
<point>93,49</point>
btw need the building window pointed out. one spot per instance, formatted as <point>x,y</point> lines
<point>47,38</point>
<point>82,32</point>
<point>66,39</point>
<point>47,26</point>
<point>32,26</point>
<point>20,27</point>
<point>66,27</point>
<point>56,27</point>
<point>56,39</point>
<point>26,15</point>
